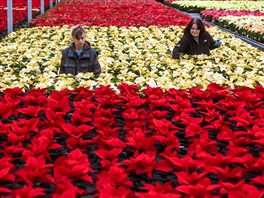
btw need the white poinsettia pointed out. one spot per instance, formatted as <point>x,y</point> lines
<point>222,5</point>
<point>248,23</point>
<point>31,58</point>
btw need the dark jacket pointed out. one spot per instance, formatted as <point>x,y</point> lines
<point>87,62</point>
<point>188,45</point>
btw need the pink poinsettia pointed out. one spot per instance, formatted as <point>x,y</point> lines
<point>213,15</point>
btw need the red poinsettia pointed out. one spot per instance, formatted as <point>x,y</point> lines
<point>6,109</point>
<point>74,166</point>
<point>12,150</point>
<point>259,118</point>
<point>64,188</point>
<point>60,107</point>
<point>138,140</point>
<point>104,118</point>
<point>35,97</point>
<point>110,191</point>
<point>140,164</point>
<point>35,170</point>
<point>106,97</point>
<point>108,158</point>
<point>203,189</point>
<point>5,128</point>
<point>243,118</point>
<point>27,191</point>
<point>20,129</point>
<point>6,169</point>
<point>203,148</point>
<point>163,191</point>
<point>178,100</point>
<point>114,183</point>
<point>228,174</point>
<point>239,189</point>
<point>107,132</point>
<point>31,110</point>
<point>194,184</point>
<point>76,131</point>
<point>173,161</point>
<point>163,127</point>
<point>140,14</point>
<point>113,142</point>
<point>53,118</point>
<point>134,118</point>
<point>115,176</point>
<point>40,147</point>
<point>73,143</point>
<point>83,112</point>
<point>170,141</point>
<point>133,100</point>
<point>185,119</point>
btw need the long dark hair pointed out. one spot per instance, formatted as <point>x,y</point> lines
<point>196,21</point>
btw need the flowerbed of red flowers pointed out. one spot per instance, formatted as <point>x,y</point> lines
<point>23,3</point>
<point>148,143</point>
<point>20,11</point>
<point>18,16</point>
<point>108,13</point>
<point>213,15</point>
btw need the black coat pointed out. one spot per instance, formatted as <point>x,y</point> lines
<point>188,45</point>
<point>86,62</point>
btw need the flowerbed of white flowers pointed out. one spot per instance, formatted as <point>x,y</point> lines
<point>245,24</point>
<point>252,26</point>
<point>221,5</point>
<point>30,58</point>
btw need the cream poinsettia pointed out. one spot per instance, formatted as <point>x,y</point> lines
<point>31,58</point>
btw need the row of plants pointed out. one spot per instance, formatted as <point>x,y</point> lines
<point>238,16</point>
<point>148,143</point>
<point>213,15</point>
<point>19,13</point>
<point>23,3</point>
<point>31,58</point>
<point>250,26</point>
<point>149,126</point>
<point>124,13</point>
<point>18,18</point>
<point>198,6</point>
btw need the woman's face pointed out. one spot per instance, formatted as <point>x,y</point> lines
<point>194,30</point>
<point>79,42</point>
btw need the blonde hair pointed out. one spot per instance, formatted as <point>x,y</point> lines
<point>77,31</point>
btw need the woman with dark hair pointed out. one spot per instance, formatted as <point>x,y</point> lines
<point>195,40</point>
<point>79,56</point>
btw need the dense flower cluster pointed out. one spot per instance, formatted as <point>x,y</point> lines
<point>19,11</point>
<point>23,3</point>
<point>124,13</point>
<point>18,16</point>
<point>220,5</point>
<point>242,17</point>
<point>249,26</point>
<point>141,55</point>
<point>149,126</point>
<point>212,15</point>
<point>148,143</point>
